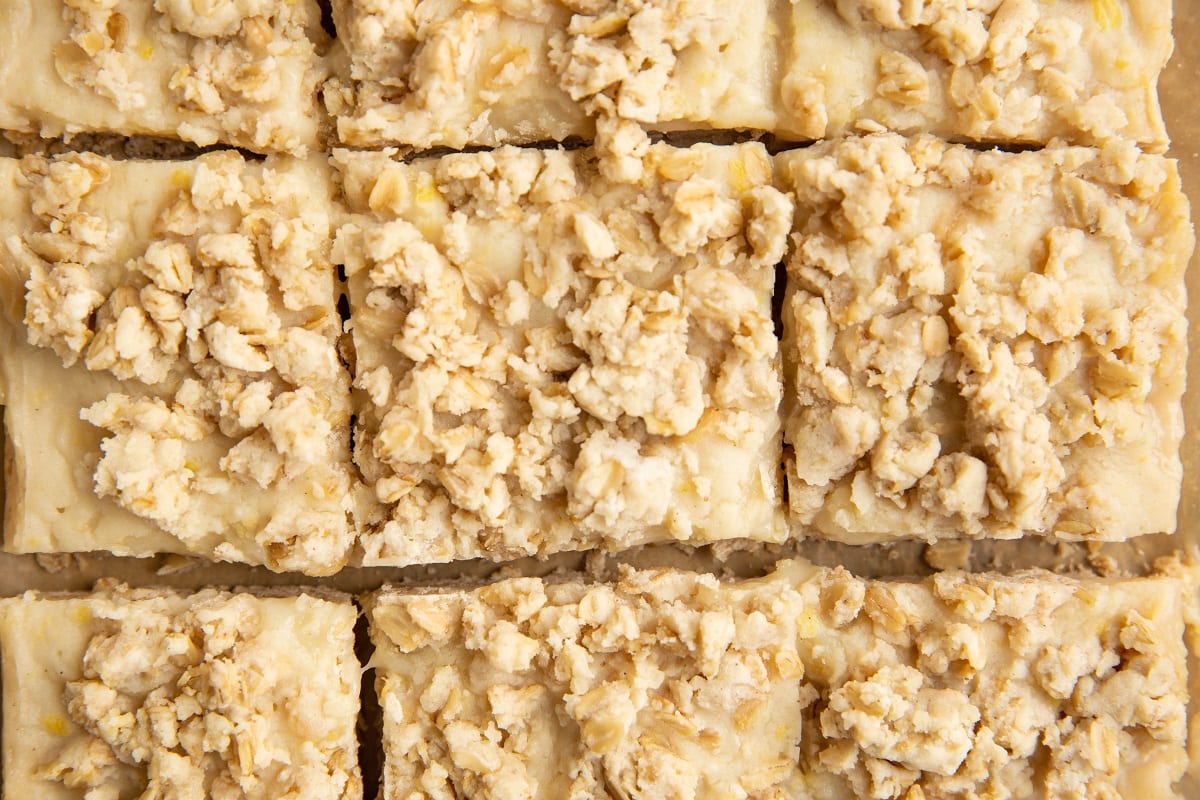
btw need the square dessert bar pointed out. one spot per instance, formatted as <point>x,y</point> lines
<point>807,683</point>
<point>243,74</point>
<point>126,693</point>
<point>424,73</point>
<point>983,344</point>
<point>428,74</point>
<point>1015,71</point>
<point>557,351</point>
<point>169,370</point>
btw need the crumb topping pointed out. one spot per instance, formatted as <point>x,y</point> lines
<point>632,59</point>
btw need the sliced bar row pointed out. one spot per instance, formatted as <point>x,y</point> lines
<point>424,73</point>
<point>808,682</point>
<point>554,351</point>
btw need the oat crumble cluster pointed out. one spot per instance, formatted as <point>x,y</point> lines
<point>304,356</point>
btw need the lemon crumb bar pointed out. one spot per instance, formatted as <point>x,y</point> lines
<point>429,74</point>
<point>1014,71</point>
<point>560,350</point>
<point>126,693</point>
<point>243,74</point>
<point>807,683</point>
<point>984,344</point>
<point>170,373</point>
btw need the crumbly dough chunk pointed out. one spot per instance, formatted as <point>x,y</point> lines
<point>807,683</point>
<point>983,343</point>
<point>192,307</point>
<point>1085,71</point>
<point>241,72</point>
<point>133,693</point>
<point>424,73</point>
<point>557,352</point>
